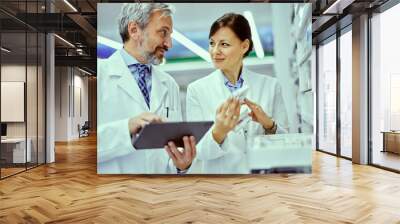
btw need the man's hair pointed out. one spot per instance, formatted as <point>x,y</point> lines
<point>140,13</point>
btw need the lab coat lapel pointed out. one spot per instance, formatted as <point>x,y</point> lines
<point>220,87</point>
<point>127,82</point>
<point>159,89</point>
<point>247,80</point>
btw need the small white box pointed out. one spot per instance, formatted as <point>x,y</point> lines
<point>19,154</point>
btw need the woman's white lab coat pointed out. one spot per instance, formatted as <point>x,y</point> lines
<point>205,95</point>
<point>119,99</point>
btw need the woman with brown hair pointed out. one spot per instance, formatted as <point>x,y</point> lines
<point>223,148</point>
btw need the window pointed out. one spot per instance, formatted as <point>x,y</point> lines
<point>346,94</point>
<point>385,89</point>
<point>22,65</point>
<point>327,97</point>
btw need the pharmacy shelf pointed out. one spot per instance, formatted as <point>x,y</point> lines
<point>303,20</point>
<point>300,64</point>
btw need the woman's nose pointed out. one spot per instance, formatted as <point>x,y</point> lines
<point>215,50</point>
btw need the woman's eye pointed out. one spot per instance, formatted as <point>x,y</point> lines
<point>211,43</point>
<point>225,44</point>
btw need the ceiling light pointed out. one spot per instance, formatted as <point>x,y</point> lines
<point>191,45</point>
<point>334,5</point>
<point>70,5</point>
<point>65,41</point>
<point>84,71</point>
<point>108,42</point>
<point>338,6</point>
<point>254,35</point>
<point>5,50</point>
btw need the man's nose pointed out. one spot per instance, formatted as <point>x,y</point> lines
<point>168,42</point>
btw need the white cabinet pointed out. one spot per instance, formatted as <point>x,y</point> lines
<point>17,148</point>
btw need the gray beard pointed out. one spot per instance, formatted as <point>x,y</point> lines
<point>150,56</point>
<point>152,59</point>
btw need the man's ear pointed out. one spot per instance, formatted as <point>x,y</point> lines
<point>134,30</point>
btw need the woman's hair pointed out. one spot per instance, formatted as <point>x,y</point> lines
<point>238,24</point>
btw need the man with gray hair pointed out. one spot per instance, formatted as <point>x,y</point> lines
<point>133,92</point>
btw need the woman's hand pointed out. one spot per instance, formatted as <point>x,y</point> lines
<point>227,118</point>
<point>258,115</point>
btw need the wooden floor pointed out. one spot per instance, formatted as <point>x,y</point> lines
<point>70,191</point>
<point>5,172</point>
<point>387,159</point>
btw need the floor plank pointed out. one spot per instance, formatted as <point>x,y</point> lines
<point>70,191</point>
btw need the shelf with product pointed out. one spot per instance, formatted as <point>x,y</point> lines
<point>300,63</point>
<point>306,99</point>
<point>304,49</point>
<point>305,77</point>
<point>302,20</point>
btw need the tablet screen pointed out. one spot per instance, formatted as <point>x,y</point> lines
<point>157,135</point>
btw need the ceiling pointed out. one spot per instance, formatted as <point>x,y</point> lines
<point>332,15</point>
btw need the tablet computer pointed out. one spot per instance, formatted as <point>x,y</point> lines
<point>157,135</point>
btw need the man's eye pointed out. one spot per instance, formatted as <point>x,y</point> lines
<point>225,44</point>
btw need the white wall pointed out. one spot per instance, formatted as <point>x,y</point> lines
<point>80,103</point>
<point>71,94</point>
<point>61,103</point>
<point>14,73</point>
